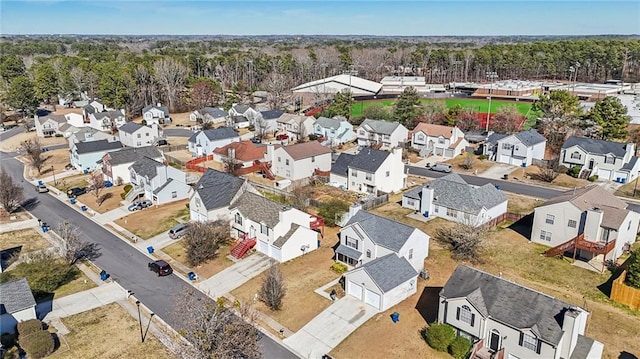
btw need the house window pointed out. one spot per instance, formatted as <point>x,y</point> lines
<point>420,137</point>
<point>545,236</point>
<point>441,140</point>
<point>576,155</point>
<point>529,342</point>
<point>572,223</point>
<point>411,253</point>
<point>609,160</point>
<point>279,159</point>
<point>147,134</point>
<point>286,162</point>
<point>368,176</point>
<point>138,144</point>
<point>174,194</point>
<point>464,315</point>
<point>197,202</point>
<point>351,242</point>
<point>313,158</point>
<point>362,132</point>
<point>238,219</point>
<point>411,202</point>
<point>435,209</point>
<point>452,213</point>
<point>506,146</point>
<point>368,253</point>
<point>354,173</point>
<point>550,219</point>
<point>139,136</point>
<point>388,173</point>
<point>264,229</point>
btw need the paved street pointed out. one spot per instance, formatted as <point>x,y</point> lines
<point>125,264</point>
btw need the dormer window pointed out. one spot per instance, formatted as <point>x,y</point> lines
<point>441,140</point>
<point>238,219</point>
<point>576,155</point>
<point>529,342</point>
<point>609,159</point>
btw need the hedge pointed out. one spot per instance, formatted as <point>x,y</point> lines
<point>29,326</point>
<point>439,336</point>
<point>38,345</point>
<point>339,268</point>
<point>459,347</point>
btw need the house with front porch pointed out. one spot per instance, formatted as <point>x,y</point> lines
<point>506,320</point>
<point>214,193</point>
<point>518,149</point>
<point>132,134</point>
<point>438,140</point>
<point>87,155</point>
<point>17,304</point>
<point>158,115</point>
<point>612,161</point>
<point>295,126</point>
<point>335,131</point>
<point>385,134</point>
<point>158,181</point>
<point>589,222</point>
<point>88,134</point>
<point>243,111</point>
<point>202,143</point>
<point>115,164</point>
<point>370,171</point>
<point>280,232</point>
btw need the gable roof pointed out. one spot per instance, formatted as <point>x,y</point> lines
<point>164,109</point>
<point>495,137</point>
<point>213,112</point>
<point>282,240</point>
<point>451,191</point>
<point>380,126</point>
<point>306,149</point>
<point>53,117</point>
<point>341,166</point>
<point>382,231</point>
<point>241,108</point>
<point>108,114</point>
<point>271,114</point>
<point>259,209</point>
<point>331,123</point>
<point>530,138</point>
<point>216,189</point>
<point>357,85</point>
<point>369,160</point>
<point>508,302</point>
<point>244,150</point>
<point>434,130</point>
<point>588,197</point>
<point>96,146</point>
<point>219,133</point>
<point>389,271</point>
<point>132,154</point>
<point>292,118</point>
<point>16,295</point>
<point>159,189</point>
<point>130,127</point>
<point>591,145</point>
<point>146,166</point>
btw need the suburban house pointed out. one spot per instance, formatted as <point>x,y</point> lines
<point>85,155</point>
<point>209,115</point>
<point>93,107</point>
<point>386,255</point>
<point>88,134</point>
<point>299,161</point>
<point>214,193</point>
<point>108,120</point>
<point>267,122</point>
<point>202,143</point>
<point>280,232</point>
<point>295,126</point>
<point>158,115</point>
<point>115,164</point>
<point>334,131</point>
<point>134,135</point>
<point>370,171</point>
<point>244,153</point>
<point>158,181</point>
<point>382,133</point>
<point>506,320</point>
<point>52,124</point>
<point>17,304</point>
<point>243,111</point>
<point>518,149</point>
<point>608,160</point>
<point>451,198</point>
<point>438,140</point>
<point>590,222</point>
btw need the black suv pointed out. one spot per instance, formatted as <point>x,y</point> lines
<point>76,191</point>
<point>161,267</point>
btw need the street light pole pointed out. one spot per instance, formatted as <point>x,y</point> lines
<point>55,183</point>
<point>490,75</point>
<point>140,321</point>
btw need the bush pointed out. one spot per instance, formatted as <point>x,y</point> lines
<point>574,171</point>
<point>482,157</point>
<point>38,345</point>
<point>633,270</point>
<point>439,336</point>
<point>143,123</point>
<point>329,210</point>
<point>58,135</point>
<point>459,347</point>
<point>313,137</point>
<point>562,169</point>
<point>593,178</point>
<point>126,189</point>
<point>7,340</point>
<point>29,327</point>
<point>339,267</point>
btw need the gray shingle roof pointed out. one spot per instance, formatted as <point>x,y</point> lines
<point>108,114</point>
<point>282,240</point>
<point>328,122</point>
<point>629,165</point>
<point>96,146</point>
<point>16,295</point>
<point>348,251</point>
<point>592,145</point>
<point>341,166</point>
<point>164,109</point>
<point>582,348</point>
<point>382,231</point>
<point>214,112</point>
<point>271,114</point>
<point>530,138</point>
<point>259,209</point>
<point>132,154</point>
<point>146,167</point>
<point>241,108</point>
<point>389,271</point>
<point>130,127</point>
<point>216,189</point>
<point>379,126</point>
<point>159,189</point>
<point>508,302</point>
<point>495,137</point>
<point>220,133</point>
<point>369,160</point>
<point>451,191</point>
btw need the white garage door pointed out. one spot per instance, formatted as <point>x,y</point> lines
<point>372,298</point>
<point>263,247</point>
<point>604,174</point>
<point>505,159</point>
<point>355,290</point>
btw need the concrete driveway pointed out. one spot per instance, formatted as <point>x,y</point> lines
<point>236,275</point>
<point>330,328</point>
<point>498,170</point>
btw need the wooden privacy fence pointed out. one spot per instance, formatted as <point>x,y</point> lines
<point>624,294</point>
<point>509,216</point>
<point>372,202</point>
<point>193,164</point>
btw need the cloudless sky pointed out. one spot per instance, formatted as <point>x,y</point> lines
<point>327,17</point>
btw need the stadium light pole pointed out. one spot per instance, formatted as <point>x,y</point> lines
<point>491,75</point>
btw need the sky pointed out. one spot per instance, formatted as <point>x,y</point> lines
<point>327,17</point>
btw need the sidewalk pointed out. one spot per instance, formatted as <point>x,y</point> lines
<point>112,215</point>
<point>84,301</point>
<point>58,177</point>
<point>14,226</point>
<point>235,276</point>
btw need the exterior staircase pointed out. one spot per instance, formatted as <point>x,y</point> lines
<point>584,174</point>
<point>579,242</point>
<point>242,246</point>
<point>134,193</point>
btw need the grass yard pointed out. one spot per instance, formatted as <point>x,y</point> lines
<point>177,252</point>
<point>107,332</point>
<point>477,164</point>
<point>29,239</point>
<point>563,180</point>
<point>59,159</point>
<point>79,180</point>
<point>17,216</point>
<point>112,202</point>
<point>78,284</point>
<point>153,220</point>
<point>521,204</point>
<point>627,189</point>
<point>303,275</point>
<point>13,143</point>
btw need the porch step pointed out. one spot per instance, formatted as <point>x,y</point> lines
<point>241,248</point>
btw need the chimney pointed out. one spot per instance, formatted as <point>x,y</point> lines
<point>159,104</point>
<point>593,219</point>
<point>573,324</point>
<point>427,201</point>
<point>630,151</point>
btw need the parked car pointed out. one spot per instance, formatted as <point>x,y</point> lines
<point>146,203</point>
<point>178,231</point>
<point>76,191</point>
<point>282,136</point>
<point>162,143</point>
<point>135,206</point>
<point>439,167</point>
<point>256,140</point>
<point>41,188</point>
<point>160,267</point>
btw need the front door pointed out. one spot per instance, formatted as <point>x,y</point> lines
<point>591,164</point>
<point>252,232</point>
<point>494,342</point>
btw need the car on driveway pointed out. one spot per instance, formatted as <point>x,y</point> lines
<point>139,205</point>
<point>178,231</point>
<point>146,203</point>
<point>282,136</point>
<point>439,167</point>
<point>161,268</point>
<point>76,191</point>
<point>256,140</point>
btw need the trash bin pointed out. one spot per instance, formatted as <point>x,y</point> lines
<point>72,200</point>
<point>150,249</point>
<point>191,275</point>
<point>83,208</point>
<point>40,183</point>
<point>45,229</point>
<point>505,176</point>
<point>103,275</point>
<point>395,316</point>
<point>85,172</point>
<point>318,243</point>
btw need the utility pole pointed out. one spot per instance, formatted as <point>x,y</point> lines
<point>491,75</point>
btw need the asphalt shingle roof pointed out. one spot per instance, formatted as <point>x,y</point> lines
<point>592,145</point>
<point>495,137</point>
<point>341,166</point>
<point>164,109</point>
<point>389,271</point>
<point>508,302</point>
<point>216,189</point>
<point>382,231</point>
<point>630,165</point>
<point>159,189</point>
<point>220,133</point>
<point>369,160</point>
<point>132,154</point>
<point>96,146</point>
<point>147,167</point>
<point>108,114</point>
<point>530,138</point>
<point>259,209</point>
<point>325,122</point>
<point>241,108</point>
<point>348,251</point>
<point>16,295</point>
<point>130,127</point>
<point>582,348</point>
<point>271,114</point>
<point>214,112</point>
<point>379,126</point>
<point>282,240</point>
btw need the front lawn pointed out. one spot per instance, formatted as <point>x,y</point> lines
<point>58,159</point>
<point>112,201</point>
<point>29,239</point>
<point>80,283</point>
<point>152,221</point>
<point>177,252</point>
<point>476,164</point>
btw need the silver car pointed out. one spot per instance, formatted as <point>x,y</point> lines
<point>439,167</point>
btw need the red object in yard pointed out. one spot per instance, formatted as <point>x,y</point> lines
<point>317,223</point>
<point>282,136</point>
<point>242,246</point>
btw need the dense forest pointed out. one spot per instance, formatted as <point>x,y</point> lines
<point>187,73</point>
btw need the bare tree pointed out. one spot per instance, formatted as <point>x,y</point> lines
<point>300,197</point>
<point>202,240</point>
<point>171,75</point>
<point>213,330</point>
<point>231,164</point>
<point>273,288</point>
<point>262,128</point>
<point>11,195</point>
<point>72,247</point>
<point>467,162</point>
<point>33,150</point>
<point>508,120</point>
<point>96,185</point>
<point>278,87</point>
<point>146,88</point>
<point>549,172</point>
<point>464,239</point>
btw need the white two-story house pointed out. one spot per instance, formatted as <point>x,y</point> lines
<point>132,134</point>
<point>386,257</point>
<point>202,143</point>
<point>158,115</point>
<point>214,193</point>
<point>608,160</point>
<point>158,181</point>
<point>108,120</point>
<point>370,171</point>
<point>438,140</point>
<point>299,161</point>
<point>506,320</point>
<point>335,131</point>
<point>209,115</point>
<point>280,232</point>
<point>518,149</point>
<point>115,164</point>
<point>295,126</point>
<point>84,156</point>
<point>381,133</point>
